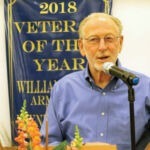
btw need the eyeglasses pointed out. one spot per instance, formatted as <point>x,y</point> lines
<point>94,40</point>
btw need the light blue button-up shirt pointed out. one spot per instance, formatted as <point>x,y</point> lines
<point>102,115</point>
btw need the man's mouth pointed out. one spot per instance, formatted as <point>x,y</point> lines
<point>103,57</point>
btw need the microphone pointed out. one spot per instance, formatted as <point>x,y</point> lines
<point>127,77</point>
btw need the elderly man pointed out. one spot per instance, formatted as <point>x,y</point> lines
<point>93,100</point>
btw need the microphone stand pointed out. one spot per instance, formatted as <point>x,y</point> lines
<point>130,81</point>
<point>131,100</point>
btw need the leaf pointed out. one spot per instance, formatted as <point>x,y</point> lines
<point>61,146</point>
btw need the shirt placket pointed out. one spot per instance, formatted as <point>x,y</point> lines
<point>102,117</point>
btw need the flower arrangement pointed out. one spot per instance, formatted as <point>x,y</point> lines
<point>28,132</point>
<point>78,140</point>
<point>76,143</point>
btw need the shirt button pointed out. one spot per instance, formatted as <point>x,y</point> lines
<point>103,93</point>
<point>115,87</point>
<point>102,113</point>
<point>101,134</point>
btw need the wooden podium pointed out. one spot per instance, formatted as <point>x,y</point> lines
<point>98,146</point>
<point>147,147</point>
<point>89,146</point>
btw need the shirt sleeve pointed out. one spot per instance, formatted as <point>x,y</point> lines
<point>147,102</point>
<point>54,130</point>
<point>145,138</point>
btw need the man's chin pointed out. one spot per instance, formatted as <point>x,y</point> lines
<point>98,67</point>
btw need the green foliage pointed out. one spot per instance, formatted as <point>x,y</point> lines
<point>61,146</point>
<point>78,140</point>
<point>23,112</point>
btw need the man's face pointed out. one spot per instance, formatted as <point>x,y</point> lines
<point>100,43</point>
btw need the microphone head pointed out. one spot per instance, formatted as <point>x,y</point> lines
<point>107,66</point>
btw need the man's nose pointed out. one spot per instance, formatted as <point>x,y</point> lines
<point>102,44</point>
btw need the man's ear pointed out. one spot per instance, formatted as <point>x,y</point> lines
<point>121,43</point>
<point>81,48</point>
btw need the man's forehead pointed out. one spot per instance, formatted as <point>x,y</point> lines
<point>101,18</point>
<point>105,23</point>
<point>101,21</point>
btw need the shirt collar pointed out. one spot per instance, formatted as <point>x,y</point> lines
<point>114,83</point>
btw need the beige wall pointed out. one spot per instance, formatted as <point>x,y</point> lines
<point>4,103</point>
<point>135,16</point>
